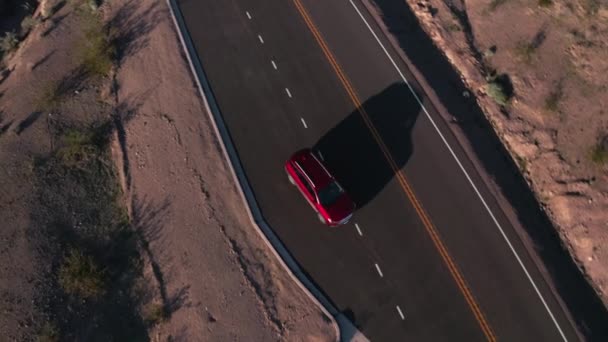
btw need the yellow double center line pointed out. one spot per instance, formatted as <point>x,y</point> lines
<point>430,228</point>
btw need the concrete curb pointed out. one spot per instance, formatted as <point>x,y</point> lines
<point>244,189</point>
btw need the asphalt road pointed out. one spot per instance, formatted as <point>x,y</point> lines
<point>423,259</point>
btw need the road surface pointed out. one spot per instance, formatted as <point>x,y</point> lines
<point>428,255</point>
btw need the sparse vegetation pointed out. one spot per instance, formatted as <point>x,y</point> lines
<point>9,42</point>
<point>28,23</point>
<point>497,92</point>
<point>81,207</point>
<point>599,152</point>
<point>80,275</point>
<point>591,6</point>
<point>48,333</point>
<point>525,51</point>
<point>155,314</point>
<point>98,50</point>
<point>453,27</point>
<point>489,52</point>
<point>93,4</point>
<point>50,98</point>
<point>523,163</point>
<point>552,101</point>
<point>78,148</point>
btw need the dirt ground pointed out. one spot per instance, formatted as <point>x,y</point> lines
<point>554,55</point>
<point>209,266</point>
<point>207,249</point>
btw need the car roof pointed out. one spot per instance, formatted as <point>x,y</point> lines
<point>313,168</point>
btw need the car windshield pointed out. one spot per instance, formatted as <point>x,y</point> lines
<point>330,193</point>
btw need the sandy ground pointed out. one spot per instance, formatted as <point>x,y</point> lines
<point>219,279</point>
<point>555,55</point>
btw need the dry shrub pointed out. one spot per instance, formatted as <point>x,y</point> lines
<point>79,275</point>
<point>155,314</point>
<point>599,152</point>
<point>9,42</point>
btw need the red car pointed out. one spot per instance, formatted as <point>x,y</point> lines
<point>333,206</point>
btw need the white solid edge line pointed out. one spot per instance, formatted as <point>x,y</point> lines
<point>400,313</point>
<point>248,15</point>
<point>358,229</point>
<point>260,38</point>
<point>465,173</point>
<point>304,123</point>
<point>274,65</point>
<point>288,92</point>
<point>379,270</point>
<point>320,155</point>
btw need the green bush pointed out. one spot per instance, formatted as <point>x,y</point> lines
<point>545,3</point>
<point>497,92</point>
<point>79,275</point>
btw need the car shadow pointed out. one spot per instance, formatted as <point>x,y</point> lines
<point>354,150</point>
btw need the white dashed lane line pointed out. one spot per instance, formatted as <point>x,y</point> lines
<point>288,92</point>
<point>248,15</point>
<point>400,313</point>
<point>303,122</point>
<point>379,270</point>
<point>261,39</point>
<point>358,229</point>
<point>320,155</point>
<point>274,65</point>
